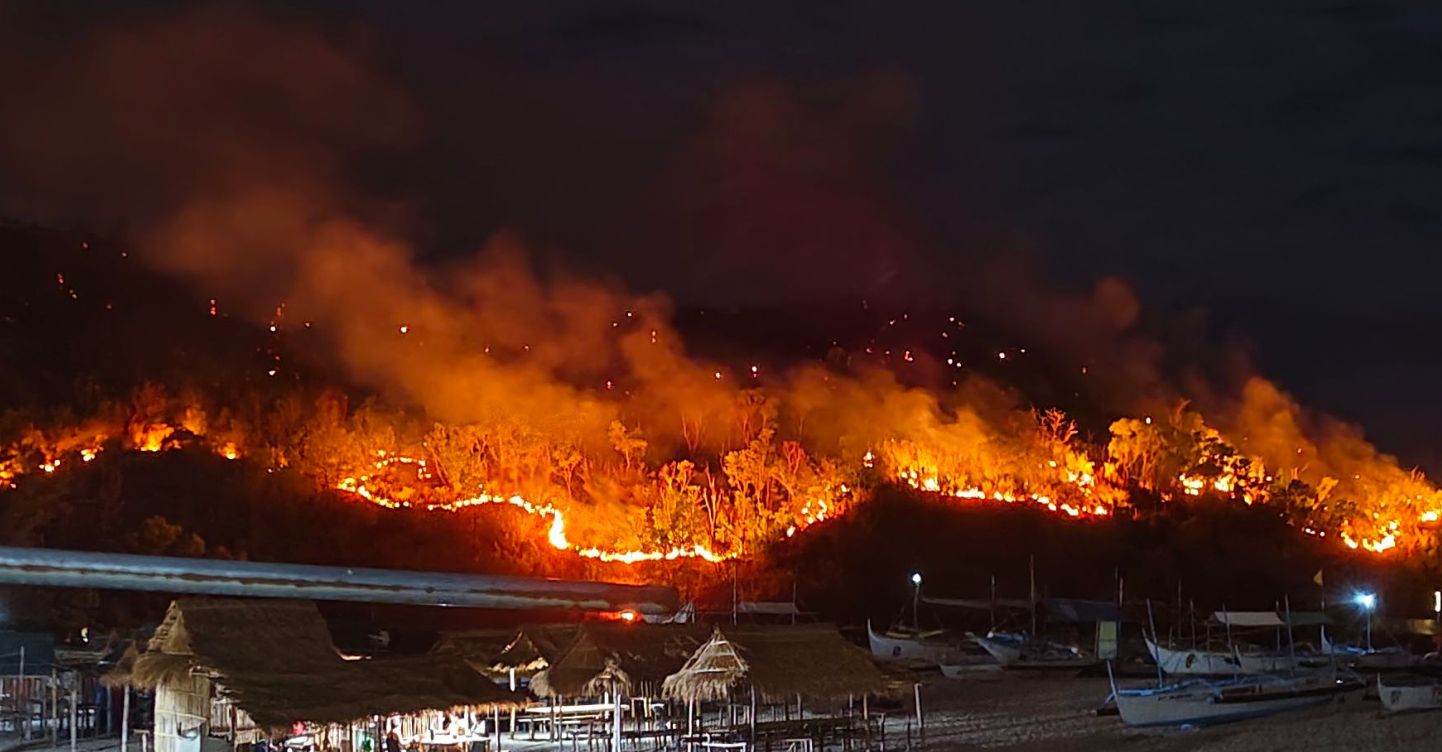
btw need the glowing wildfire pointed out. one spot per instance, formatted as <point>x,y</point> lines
<point>556,534</point>
<point>769,489</point>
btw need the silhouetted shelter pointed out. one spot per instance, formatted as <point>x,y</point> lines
<point>637,657</point>
<point>780,662</point>
<point>274,660</point>
<point>477,647</point>
<point>535,648</point>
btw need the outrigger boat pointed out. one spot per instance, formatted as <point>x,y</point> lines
<point>1202,701</point>
<point>1370,659</point>
<point>978,664</point>
<point>1234,661</point>
<point>1179,662</point>
<point>932,647</point>
<point>1015,651</point>
<point>1400,694</point>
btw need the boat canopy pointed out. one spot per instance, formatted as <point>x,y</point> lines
<point>1057,609</point>
<point>1270,618</point>
<point>978,604</point>
<point>1081,612</point>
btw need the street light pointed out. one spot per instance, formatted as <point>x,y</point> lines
<point>1367,601</point>
<point>916,600</point>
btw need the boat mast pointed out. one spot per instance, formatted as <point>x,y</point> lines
<point>1031,567</point>
<point>1192,606</point>
<point>1177,625</point>
<point>1291,639</point>
<point>1231,648</point>
<point>1153,622</point>
<point>993,603</point>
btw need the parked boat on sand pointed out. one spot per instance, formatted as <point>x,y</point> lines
<point>1401,694</point>
<point>1195,662</point>
<point>1015,651</point>
<point>1203,701</point>
<point>1370,659</point>
<point>928,648</point>
<point>973,666</point>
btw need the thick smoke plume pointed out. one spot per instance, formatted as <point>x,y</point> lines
<point>227,142</point>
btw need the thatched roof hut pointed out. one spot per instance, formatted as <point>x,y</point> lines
<point>636,657</point>
<point>779,661</point>
<point>535,647</point>
<point>275,660</point>
<point>477,647</point>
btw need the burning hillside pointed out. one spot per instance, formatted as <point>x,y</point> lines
<point>498,380</point>
<point>769,465</point>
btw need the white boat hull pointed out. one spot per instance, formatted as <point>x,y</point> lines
<point>926,652</point>
<point>1011,655</point>
<point>1370,660</point>
<point>1410,697</point>
<point>1174,662</point>
<point>1198,703</point>
<point>971,668</point>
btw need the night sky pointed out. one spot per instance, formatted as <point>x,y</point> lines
<point>1271,169</point>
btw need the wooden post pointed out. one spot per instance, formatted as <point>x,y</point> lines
<point>753,716</point>
<point>616,721</point>
<point>920,724</point>
<point>498,728</point>
<point>866,719</point>
<point>125,721</point>
<point>23,694</point>
<point>54,709</point>
<point>513,707</point>
<point>73,711</point>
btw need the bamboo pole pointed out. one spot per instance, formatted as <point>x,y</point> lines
<point>125,721</point>
<point>866,718</point>
<point>54,709</point>
<point>23,694</point>
<point>616,720</point>
<point>753,716</point>
<point>920,720</point>
<point>513,707</point>
<point>73,712</point>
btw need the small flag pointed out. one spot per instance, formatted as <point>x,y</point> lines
<point>1318,578</point>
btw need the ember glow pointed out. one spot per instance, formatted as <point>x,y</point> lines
<point>745,465</point>
<point>782,487</point>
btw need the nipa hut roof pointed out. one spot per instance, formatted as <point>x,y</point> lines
<point>781,662</point>
<point>276,661</point>
<point>637,656</point>
<point>535,647</point>
<point>477,647</point>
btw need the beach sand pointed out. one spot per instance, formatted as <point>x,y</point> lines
<point>1024,712</point>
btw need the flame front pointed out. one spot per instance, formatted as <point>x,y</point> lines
<point>773,490</point>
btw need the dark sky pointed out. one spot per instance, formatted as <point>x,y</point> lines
<point>1275,165</point>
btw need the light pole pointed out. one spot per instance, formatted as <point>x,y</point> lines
<point>916,600</point>
<point>1367,601</point>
